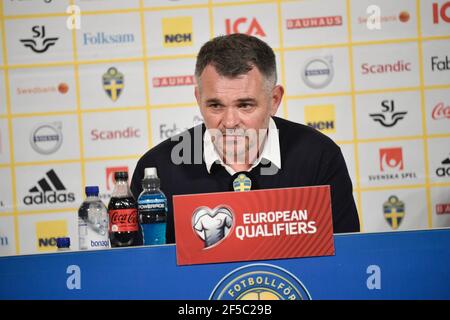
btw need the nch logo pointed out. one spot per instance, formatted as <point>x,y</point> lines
<point>177,32</point>
<point>49,190</point>
<point>321,117</point>
<point>47,232</point>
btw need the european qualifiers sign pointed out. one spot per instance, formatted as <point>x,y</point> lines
<point>253,225</point>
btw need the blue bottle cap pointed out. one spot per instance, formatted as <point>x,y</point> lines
<point>91,190</point>
<point>63,242</point>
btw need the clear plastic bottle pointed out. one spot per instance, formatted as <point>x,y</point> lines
<point>93,222</point>
<point>152,209</point>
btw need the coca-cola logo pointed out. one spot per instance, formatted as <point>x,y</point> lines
<point>440,111</point>
<point>128,217</point>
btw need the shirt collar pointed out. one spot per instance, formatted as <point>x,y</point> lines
<point>271,150</point>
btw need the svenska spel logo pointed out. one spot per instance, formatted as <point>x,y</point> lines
<point>260,282</point>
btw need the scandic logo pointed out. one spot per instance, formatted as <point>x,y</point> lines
<point>49,190</point>
<point>396,67</point>
<point>253,28</point>
<point>173,81</point>
<point>391,158</point>
<point>128,133</point>
<point>177,32</point>
<point>317,22</point>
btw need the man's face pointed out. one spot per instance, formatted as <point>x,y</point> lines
<point>238,109</point>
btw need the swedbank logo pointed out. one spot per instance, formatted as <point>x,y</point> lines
<point>260,282</point>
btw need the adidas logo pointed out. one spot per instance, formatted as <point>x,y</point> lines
<point>49,190</point>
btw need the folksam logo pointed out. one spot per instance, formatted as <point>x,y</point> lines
<point>260,282</point>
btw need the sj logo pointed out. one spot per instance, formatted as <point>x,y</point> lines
<point>244,25</point>
<point>212,226</point>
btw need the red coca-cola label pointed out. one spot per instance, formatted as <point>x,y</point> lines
<point>123,220</point>
<point>441,111</point>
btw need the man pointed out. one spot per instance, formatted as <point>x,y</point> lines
<point>241,144</point>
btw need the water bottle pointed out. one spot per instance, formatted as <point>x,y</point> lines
<point>93,222</point>
<point>152,209</point>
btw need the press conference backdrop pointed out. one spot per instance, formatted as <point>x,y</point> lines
<point>86,87</point>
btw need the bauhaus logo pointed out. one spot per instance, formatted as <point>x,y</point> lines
<point>47,232</point>
<point>48,190</point>
<point>321,117</point>
<point>315,22</point>
<point>39,43</point>
<point>46,138</point>
<point>177,32</point>
<point>173,81</point>
<point>249,26</point>
<point>443,208</point>
<point>441,12</point>
<point>388,116</point>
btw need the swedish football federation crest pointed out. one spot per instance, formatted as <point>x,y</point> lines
<point>242,183</point>
<point>394,211</point>
<point>260,281</point>
<point>113,83</point>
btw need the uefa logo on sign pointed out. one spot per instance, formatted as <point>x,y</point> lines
<point>212,226</point>
<point>260,281</point>
<point>317,73</point>
<point>46,138</point>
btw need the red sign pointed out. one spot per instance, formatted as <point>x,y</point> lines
<point>244,25</point>
<point>302,23</point>
<point>443,208</point>
<point>391,158</point>
<point>441,12</point>
<point>253,225</point>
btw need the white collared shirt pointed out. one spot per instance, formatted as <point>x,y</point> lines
<point>271,150</point>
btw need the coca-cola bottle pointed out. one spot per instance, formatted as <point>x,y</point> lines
<point>124,230</point>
